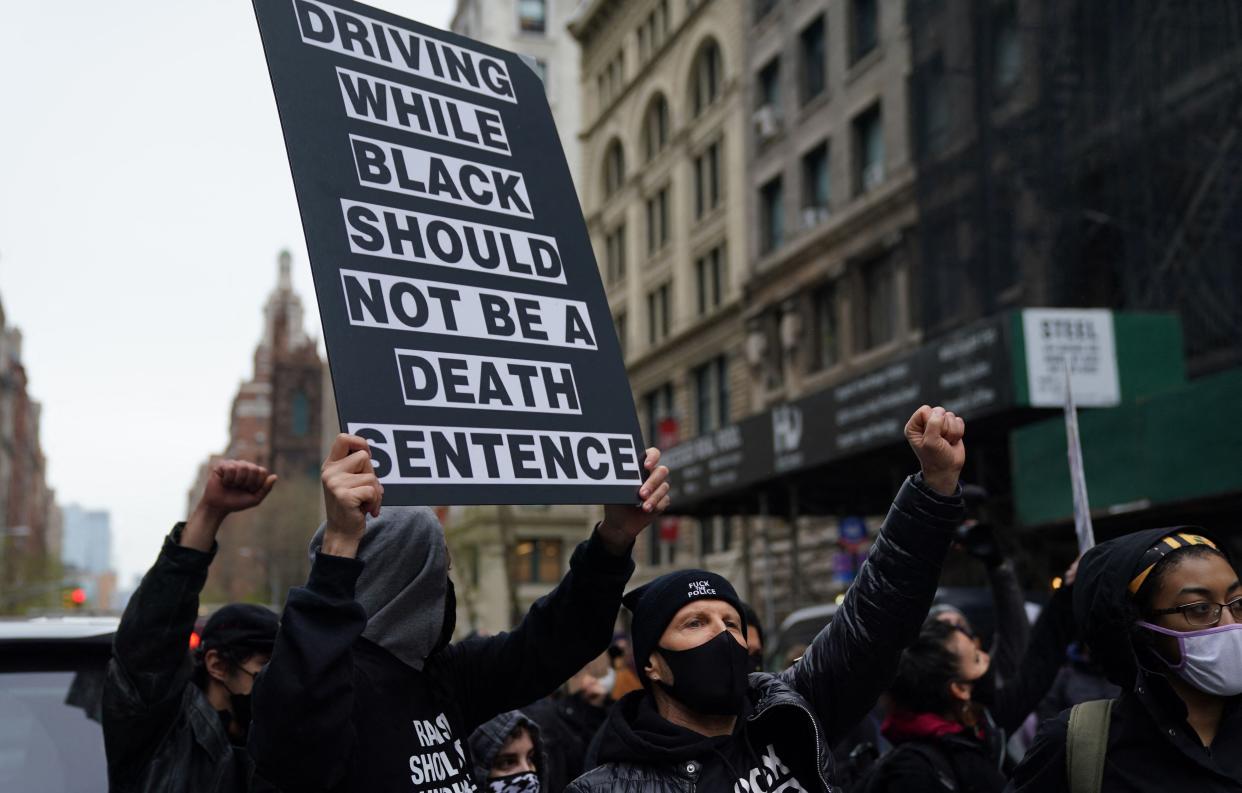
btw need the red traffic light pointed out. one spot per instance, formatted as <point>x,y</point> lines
<point>78,596</point>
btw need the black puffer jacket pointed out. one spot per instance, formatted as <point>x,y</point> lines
<point>160,732</point>
<point>1150,745</point>
<point>807,708</point>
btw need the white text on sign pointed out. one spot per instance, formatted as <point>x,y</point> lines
<point>384,301</point>
<point>466,455</point>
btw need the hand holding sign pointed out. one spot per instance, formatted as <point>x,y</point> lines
<point>935,435</point>
<point>232,486</point>
<point>622,524</point>
<point>351,490</point>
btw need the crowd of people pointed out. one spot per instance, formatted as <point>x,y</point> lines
<point>1129,680</point>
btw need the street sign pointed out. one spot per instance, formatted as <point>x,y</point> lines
<point>469,336</point>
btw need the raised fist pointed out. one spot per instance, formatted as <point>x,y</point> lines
<point>351,491</point>
<point>234,485</point>
<point>935,435</point>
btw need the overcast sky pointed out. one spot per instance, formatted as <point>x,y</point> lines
<point>144,195</point>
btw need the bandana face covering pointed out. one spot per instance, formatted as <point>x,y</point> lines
<point>1211,658</point>
<point>527,782</point>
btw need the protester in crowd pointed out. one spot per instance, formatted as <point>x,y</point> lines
<point>702,723</point>
<point>508,755</point>
<point>1011,633</point>
<point>621,655</point>
<point>364,691</point>
<point>754,637</point>
<point>569,722</point>
<point>173,721</point>
<point>941,738</point>
<point>1081,679</point>
<point>1161,612</point>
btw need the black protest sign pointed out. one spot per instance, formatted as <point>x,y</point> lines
<point>468,333</point>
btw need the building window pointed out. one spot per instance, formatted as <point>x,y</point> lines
<point>868,150</point>
<point>715,534</point>
<point>301,415</point>
<point>657,221</point>
<point>816,188</point>
<point>711,395</point>
<point>769,93</point>
<point>658,405</point>
<point>622,323</point>
<point>880,288</point>
<point>614,254</point>
<point>655,126</point>
<point>614,168</point>
<point>532,15</point>
<point>772,216</point>
<point>537,561</point>
<point>932,109</point>
<point>827,337</point>
<point>707,180</point>
<point>814,51</point>
<point>706,77</point>
<point>653,32</point>
<point>866,27</point>
<point>1006,49</point>
<point>709,271</point>
<point>658,320</point>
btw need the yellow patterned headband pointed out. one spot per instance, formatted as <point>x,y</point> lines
<point>1164,547</point>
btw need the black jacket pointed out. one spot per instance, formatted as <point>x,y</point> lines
<point>960,763</point>
<point>806,709</point>
<point>160,732</point>
<point>1150,745</point>
<point>335,712</point>
<point>568,724</point>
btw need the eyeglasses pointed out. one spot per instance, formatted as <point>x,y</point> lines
<point>1205,614</point>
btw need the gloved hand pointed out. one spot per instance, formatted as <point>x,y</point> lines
<point>979,540</point>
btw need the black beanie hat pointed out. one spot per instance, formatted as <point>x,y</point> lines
<point>244,626</point>
<point>654,605</point>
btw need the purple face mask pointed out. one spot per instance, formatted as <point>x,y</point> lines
<point>1211,658</point>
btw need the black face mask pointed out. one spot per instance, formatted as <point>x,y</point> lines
<point>450,619</point>
<point>710,678</point>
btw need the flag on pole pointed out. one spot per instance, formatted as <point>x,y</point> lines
<point>1078,477</point>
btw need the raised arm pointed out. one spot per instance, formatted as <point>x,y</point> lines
<point>302,734</point>
<point>855,658</point>
<point>151,664</point>
<point>565,629</point>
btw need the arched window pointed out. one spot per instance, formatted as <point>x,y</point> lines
<point>614,168</point>
<point>706,76</point>
<point>655,126</point>
<point>301,415</point>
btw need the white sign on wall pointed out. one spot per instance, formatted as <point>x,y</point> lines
<point>1080,338</point>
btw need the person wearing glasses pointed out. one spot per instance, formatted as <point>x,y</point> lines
<point>1161,610</point>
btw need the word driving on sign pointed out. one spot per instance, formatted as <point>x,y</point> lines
<point>470,338</point>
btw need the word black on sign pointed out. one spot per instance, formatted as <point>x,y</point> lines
<point>468,333</point>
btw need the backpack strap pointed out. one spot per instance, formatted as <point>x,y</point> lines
<point>1086,745</point>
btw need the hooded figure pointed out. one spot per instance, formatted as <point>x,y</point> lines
<point>508,755</point>
<point>1151,744</point>
<point>364,691</point>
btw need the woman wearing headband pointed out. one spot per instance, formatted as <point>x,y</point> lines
<point>1162,612</point>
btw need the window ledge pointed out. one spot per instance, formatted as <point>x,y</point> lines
<point>864,64</point>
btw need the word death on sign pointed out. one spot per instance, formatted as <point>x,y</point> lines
<point>371,40</point>
<point>461,455</point>
<point>490,383</point>
<point>386,301</point>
